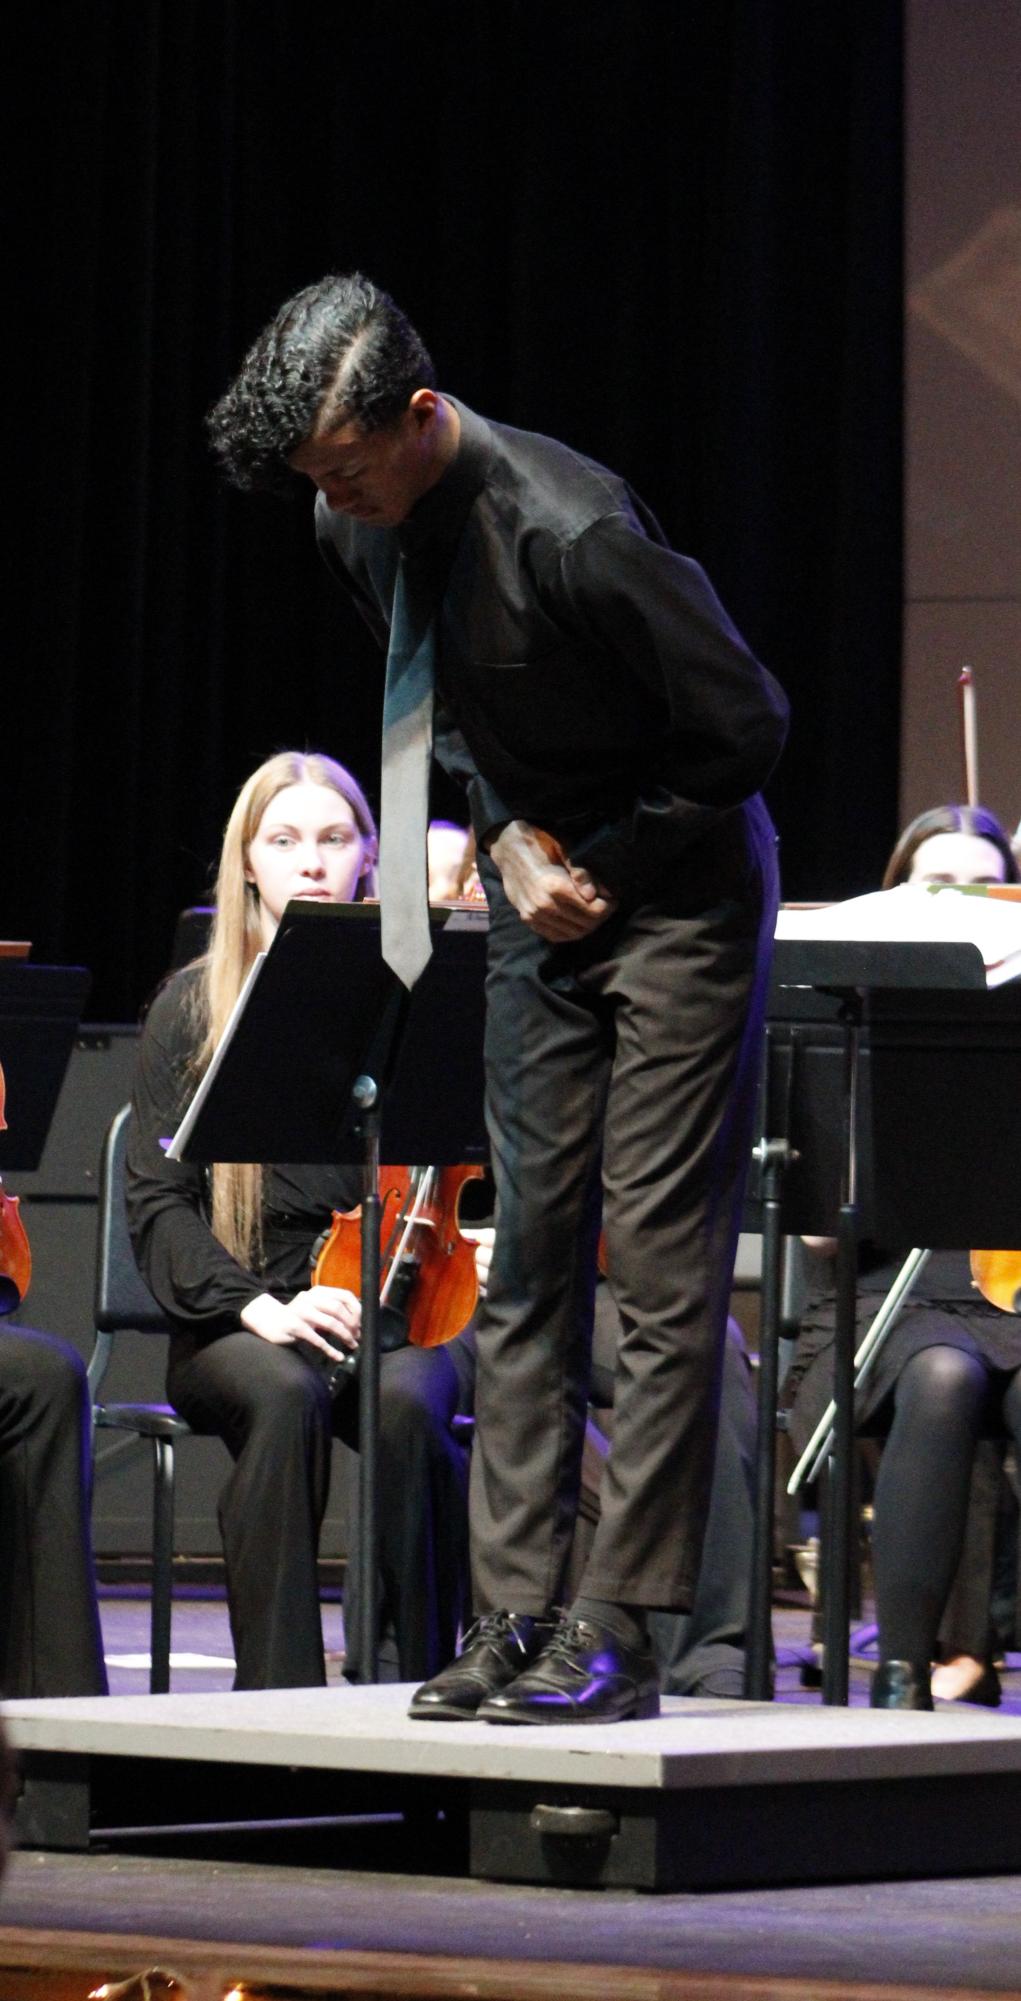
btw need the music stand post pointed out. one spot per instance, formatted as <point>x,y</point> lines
<point>837,1609</point>
<point>773,1156</point>
<point>366,1095</point>
<point>330,1060</point>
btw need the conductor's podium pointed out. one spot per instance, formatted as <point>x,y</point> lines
<point>711,1793</point>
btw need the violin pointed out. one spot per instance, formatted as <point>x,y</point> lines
<point>426,1267</point>
<point>15,1252</point>
<point>998,1277</point>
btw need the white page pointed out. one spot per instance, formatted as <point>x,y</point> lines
<point>915,912</point>
<point>175,1150</point>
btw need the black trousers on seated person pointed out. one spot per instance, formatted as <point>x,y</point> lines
<point>943,1401</point>
<point>271,1407</point>
<point>50,1639</point>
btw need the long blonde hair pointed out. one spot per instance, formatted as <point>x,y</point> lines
<point>234,941</point>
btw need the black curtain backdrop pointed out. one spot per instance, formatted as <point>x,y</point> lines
<point>669,234</point>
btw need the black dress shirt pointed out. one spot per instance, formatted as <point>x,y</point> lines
<point>589,679</point>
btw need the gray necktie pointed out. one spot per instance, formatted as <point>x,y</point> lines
<point>404,790</point>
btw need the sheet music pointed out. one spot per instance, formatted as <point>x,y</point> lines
<point>183,1133</point>
<point>919,913</point>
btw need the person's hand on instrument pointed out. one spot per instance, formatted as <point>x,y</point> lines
<point>482,1238</point>
<point>553,896</point>
<point>321,1317</point>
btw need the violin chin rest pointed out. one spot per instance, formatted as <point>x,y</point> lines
<point>393,1334</point>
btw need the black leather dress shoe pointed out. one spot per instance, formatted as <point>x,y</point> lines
<point>901,1685</point>
<point>495,1649</point>
<point>585,1675</point>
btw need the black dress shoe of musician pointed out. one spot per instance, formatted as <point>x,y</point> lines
<point>901,1685</point>
<point>585,1675</point>
<point>495,1649</point>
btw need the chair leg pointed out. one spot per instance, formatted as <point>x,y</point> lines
<point>162,1558</point>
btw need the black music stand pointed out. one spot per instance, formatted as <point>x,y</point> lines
<point>327,1059</point>
<point>908,1168</point>
<point>40,1008</point>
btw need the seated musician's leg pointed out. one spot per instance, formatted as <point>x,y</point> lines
<point>965,1644</point>
<point>50,1639</point>
<point>272,1409</point>
<point>423,1514</point>
<point>921,1503</point>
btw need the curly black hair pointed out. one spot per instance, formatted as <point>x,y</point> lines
<point>339,349</point>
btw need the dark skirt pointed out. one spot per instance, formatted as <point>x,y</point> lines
<point>979,1330</point>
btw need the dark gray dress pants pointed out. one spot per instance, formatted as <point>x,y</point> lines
<point>636,1050</point>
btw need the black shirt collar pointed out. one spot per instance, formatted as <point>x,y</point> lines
<point>433,528</point>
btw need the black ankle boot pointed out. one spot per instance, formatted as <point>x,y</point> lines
<point>901,1685</point>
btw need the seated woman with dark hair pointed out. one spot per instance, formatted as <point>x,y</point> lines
<point>948,1374</point>
<point>227,1255</point>
<point>952,844</point>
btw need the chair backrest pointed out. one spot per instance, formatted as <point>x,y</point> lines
<point>122,1297</point>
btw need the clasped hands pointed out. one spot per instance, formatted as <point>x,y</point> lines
<point>551,894</point>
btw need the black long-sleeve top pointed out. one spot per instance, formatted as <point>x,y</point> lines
<point>196,1282</point>
<point>589,680</point>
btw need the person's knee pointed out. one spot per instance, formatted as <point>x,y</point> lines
<point>410,1428</point>
<point>418,1399</point>
<point>942,1381</point>
<point>46,1370</point>
<point>287,1401</point>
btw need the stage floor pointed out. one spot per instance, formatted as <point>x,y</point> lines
<point>929,1938</point>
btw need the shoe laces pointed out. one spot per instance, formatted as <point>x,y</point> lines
<point>570,1635</point>
<point>496,1626</point>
